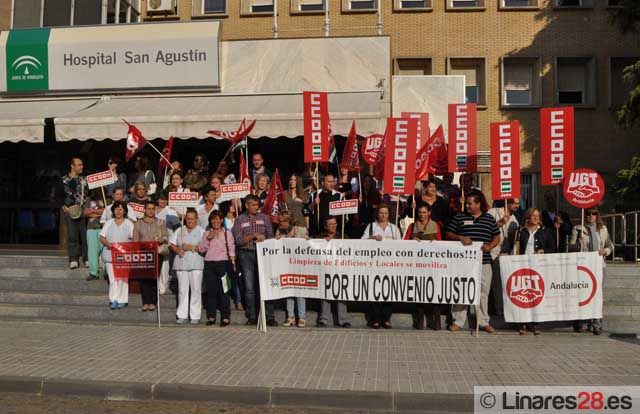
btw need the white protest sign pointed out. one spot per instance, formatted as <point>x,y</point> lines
<point>138,209</point>
<point>182,201</point>
<point>233,191</point>
<point>101,179</point>
<point>341,207</point>
<point>370,271</point>
<point>552,287</point>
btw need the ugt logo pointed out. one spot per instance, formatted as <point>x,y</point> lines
<point>525,288</point>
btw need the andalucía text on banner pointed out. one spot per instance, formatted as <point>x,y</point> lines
<point>135,260</point>
<point>556,144</point>
<point>463,138</point>
<point>370,271</point>
<point>400,156</point>
<point>316,127</point>
<point>552,287</point>
<point>505,160</point>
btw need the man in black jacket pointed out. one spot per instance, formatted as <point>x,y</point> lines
<point>318,204</point>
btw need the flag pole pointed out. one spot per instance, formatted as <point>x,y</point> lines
<point>158,295</point>
<point>104,197</point>
<point>318,194</point>
<point>397,209</point>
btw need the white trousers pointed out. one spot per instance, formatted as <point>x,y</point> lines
<point>163,280</point>
<point>459,312</point>
<point>189,279</point>
<point>118,288</point>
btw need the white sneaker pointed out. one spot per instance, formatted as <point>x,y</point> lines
<point>86,264</point>
<point>73,265</point>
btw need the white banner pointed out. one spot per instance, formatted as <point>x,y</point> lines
<point>233,191</point>
<point>101,179</point>
<point>370,271</point>
<point>342,207</point>
<point>552,287</point>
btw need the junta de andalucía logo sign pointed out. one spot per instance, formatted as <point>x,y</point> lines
<point>28,60</point>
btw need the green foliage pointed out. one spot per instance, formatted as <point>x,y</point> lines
<point>628,115</point>
<point>627,185</point>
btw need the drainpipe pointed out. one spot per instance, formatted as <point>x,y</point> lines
<point>275,19</point>
<point>325,26</point>
<point>379,26</point>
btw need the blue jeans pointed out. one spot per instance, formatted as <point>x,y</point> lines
<point>248,262</point>
<point>302,307</point>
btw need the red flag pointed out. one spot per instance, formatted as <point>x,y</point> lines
<point>437,160</point>
<point>316,127</point>
<point>556,144</point>
<point>244,171</point>
<point>351,156</point>
<point>463,138</point>
<point>135,142</point>
<point>275,197</point>
<point>423,126</point>
<point>372,148</point>
<point>505,160</point>
<point>400,159</point>
<point>166,153</point>
<point>234,136</point>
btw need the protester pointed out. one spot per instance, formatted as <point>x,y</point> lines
<point>251,227</point>
<point>118,195</point>
<point>219,267</point>
<point>76,193</point>
<point>289,228</point>
<point>318,203</point>
<point>533,238</point>
<point>326,317</point>
<point>197,177</point>
<point>223,171</point>
<point>175,167</point>
<point>144,175</point>
<point>593,237</point>
<point>381,229</point>
<point>558,222</point>
<point>475,225</point>
<point>508,224</point>
<point>262,188</point>
<point>140,193</point>
<point>116,230</point>
<point>294,198</point>
<point>172,221</point>
<point>370,199</point>
<point>229,210</point>
<point>438,206</point>
<point>424,228</point>
<point>149,229</point>
<point>258,167</point>
<point>189,266</point>
<point>93,209</point>
<point>175,184</point>
<point>205,210</point>
<point>114,165</point>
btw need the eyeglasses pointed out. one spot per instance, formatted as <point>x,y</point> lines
<point>111,162</point>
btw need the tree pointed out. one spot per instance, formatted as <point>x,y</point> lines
<point>627,18</point>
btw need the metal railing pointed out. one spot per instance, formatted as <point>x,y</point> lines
<point>623,230</point>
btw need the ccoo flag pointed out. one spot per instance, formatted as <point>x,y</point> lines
<point>316,126</point>
<point>400,156</point>
<point>463,138</point>
<point>556,144</point>
<point>505,160</point>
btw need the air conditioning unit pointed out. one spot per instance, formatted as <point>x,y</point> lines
<point>161,6</point>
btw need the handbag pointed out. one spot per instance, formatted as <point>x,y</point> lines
<point>230,271</point>
<point>75,211</point>
<point>163,249</point>
<point>152,186</point>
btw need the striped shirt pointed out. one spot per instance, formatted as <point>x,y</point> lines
<point>482,229</point>
<point>247,224</point>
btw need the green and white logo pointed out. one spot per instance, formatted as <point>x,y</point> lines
<point>505,186</point>
<point>28,60</point>
<point>398,182</point>
<point>556,173</point>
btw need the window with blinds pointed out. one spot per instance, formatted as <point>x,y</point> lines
<point>473,70</point>
<point>518,84</point>
<point>464,4</point>
<point>412,66</point>
<point>572,81</point>
<point>573,3</point>
<point>214,6</point>
<point>261,6</point>
<point>362,4</point>
<point>310,5</point>
<point>507,4</point>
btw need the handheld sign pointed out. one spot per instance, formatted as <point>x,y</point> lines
<point>182,201</point>
<point>101,179</point>
<point>233,191</point>
<point>339,208</point>
<point>138,209</point>
<point>583,188</point>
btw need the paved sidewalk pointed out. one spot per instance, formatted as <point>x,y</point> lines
<point>314,359</point>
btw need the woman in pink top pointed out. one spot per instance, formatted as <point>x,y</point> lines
<point>219,248</point>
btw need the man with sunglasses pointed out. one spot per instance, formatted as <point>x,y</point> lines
<point>475,225</point>
<point>593,237</point>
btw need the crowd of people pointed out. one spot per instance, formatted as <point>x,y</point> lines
<point>211,250</point>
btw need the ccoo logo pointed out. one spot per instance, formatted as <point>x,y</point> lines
<point>525,288</point>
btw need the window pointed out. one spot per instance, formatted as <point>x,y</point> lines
<point>573,3</point>
<point>308,5</point>
<point>473,70</point>
<point>411,4</point>
<point>575,81</point>
<point>412,66</point>
<point>465,4</point>
<point>56,13</point>
<point>518,4</point>
<point>249,7</point>
<point>359,5</point>
<point>521,82</point>
<point>214,6</point>
<point>620,89</point>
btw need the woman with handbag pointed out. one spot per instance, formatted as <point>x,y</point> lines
<point>150,229</point>
<point>219,249</point>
